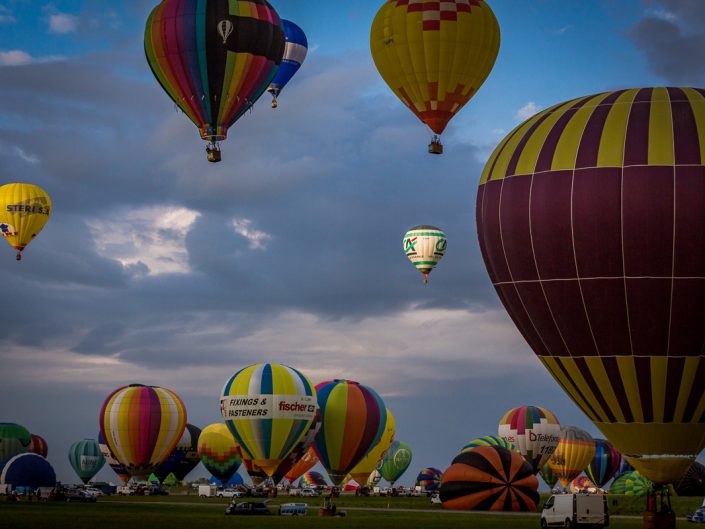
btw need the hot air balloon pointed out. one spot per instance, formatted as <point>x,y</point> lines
<point>219,452</point>
<point>24,210</point>
<point>572,455</point>
<point>313,479</point>
<point>182,459</point>
<point>395,462</point>
<point>257,475</point>
<point>306,463</point>
<point>692,483</point>
<point>534,431</point>
<point>27,470</point>
<point>425,247</point>
<point>374,479</point>
<point>582,484</point>
<point>86,459</point>
<point>605,464</point>
<point>435,55</point>
<point>624,467</point>
<point>299,451</point>
<point>295,49</point>
<point>490,440</point>
<point>142,425</point>
<point>354,418</point>
<point>214,59</point>
<point>589,217</point>
<point>113,463</point>
<point>631,484</point>
<point>429,479</point>
<point>548,476</point>
<point>269,408</point>
<point>14,439</point>
<point>39,446</point>
<point>374,457</point>
<point>490,478</point>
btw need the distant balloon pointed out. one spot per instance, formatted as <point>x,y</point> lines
<point>313,479</point>
<point>692,483</point>
<point>39,446</point>
<point>27,470</point>
<point>294,54</point>
<point>572,455</point>
<point>354,418</point>
<point>605,464</point>
<point>535,431</point>
<point>490,478</point>
<point>113,463</point>
<point>548,476</point>
<point>374,479</point>
<point>306,463</point>
<point>24,210</point>
<point>395,462</point>
<point>434,55</point>
<point>371,461</point>
<point>14,439</point>
<point>631,484</point>
<point>425,246</point>
<point>582,484</point>
<point>86,459</point>
<point>219,451</point>
<point>142,425</point>
<point>429,479</point>
<point>490,440</point>
<point>183,458</point>
<point>269,408</point>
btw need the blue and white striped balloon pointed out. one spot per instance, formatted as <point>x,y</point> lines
<point>295,49</point>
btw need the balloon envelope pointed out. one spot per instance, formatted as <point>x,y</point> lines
<point>14,439</point>
<point>490,440</point>
<point>692,483</point>
<point>27,470</point>
<point>425,246</point>
<point>489,478</point>
<point>86,459</point>
<point>306,463</point>
<point>113,463</point>
<point>572,455</point>
<point>548,476</point>
<point>605,464</point>
<point>535,431</point>
<point>429,479</point>
<point>589,216</point>
<point>631,484</point>
<point>142,425</point>
<point>396,461</point>
<point>219,451</point>
<point>374,457</point>
<point>434,55</point>
<point>39,446</point>
<point>24,210</point>
<point>183,458</point>
<point>313,479</point>
<point>354,418</point>
<point>582,484</point>
<point>295,49</point>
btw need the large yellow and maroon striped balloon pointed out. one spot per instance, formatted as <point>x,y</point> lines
<point>591,221</point>
<point>142,425</point>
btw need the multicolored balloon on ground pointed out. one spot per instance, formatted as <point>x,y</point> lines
<point>490,478</point>
<point>24,211</point>
<point>354,419</point>
<point>631,484</point>
<point>113,463</point>
<point>490,440</point>
<point>14,439</point>
<point>313,479</point>
<point>417,48</point>
<point>214,58</point>
<point>535,431</point>
<point>39,446</point>
<point>425,246</point>
<point>141,426</point>
<point>582,484</point>
<point>395,462</point>
<point>605,464</point>
<point>27,470</point>
<point>219,451</point>
<point>306,463</point>
<point>86,459</point>
<point>692,483</point>
<point>295,49</point>
<point>572,455</point>
<point>269,408</point>
<point>371,461</point>
<point>548,476</point>
<point>429,479</point>
<point>182,459</point>
<point>589,216</point>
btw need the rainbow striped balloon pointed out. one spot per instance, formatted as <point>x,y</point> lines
<point>490,440</point>
<point>268,408</point>
<point>142,425</point>
<point>605,464</point>
<point>354,418</point>
<point>535,431</point>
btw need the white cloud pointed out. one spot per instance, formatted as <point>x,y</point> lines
<point>662,14</point>
<point>14,58</point>
<point>152,236</point>
<point>564,29</point>
<point>63,23</point>
<point>6,16</point>
<point>526,111</point>
<point>257,239</point>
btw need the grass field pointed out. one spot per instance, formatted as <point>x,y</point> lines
<point>190,512</point>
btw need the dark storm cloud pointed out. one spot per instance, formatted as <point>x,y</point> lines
<point>672,37</point>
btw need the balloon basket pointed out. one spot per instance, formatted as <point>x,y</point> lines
<point>435,147</point>
<point>659,520</point>
<point>327,511</point>
<point>213,153</point>
<point>275,104</point>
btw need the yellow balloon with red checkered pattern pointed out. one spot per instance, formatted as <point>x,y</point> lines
<point>435,55</point>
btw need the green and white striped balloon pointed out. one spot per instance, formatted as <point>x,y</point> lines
<point>425,246</point>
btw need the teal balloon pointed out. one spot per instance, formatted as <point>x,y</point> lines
<point>14,439</point>
<point>86,459</point>
<point>395,462</point>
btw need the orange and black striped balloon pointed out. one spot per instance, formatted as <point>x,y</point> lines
<point>591,221</point>
<point>490,478</point>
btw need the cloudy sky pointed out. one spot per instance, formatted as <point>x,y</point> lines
<point>159,268</point>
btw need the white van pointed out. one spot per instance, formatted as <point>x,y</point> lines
<point>293,509</point>
<point>207,491</point>
<point>575,510</point>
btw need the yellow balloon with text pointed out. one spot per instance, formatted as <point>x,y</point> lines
<point>24,210</point>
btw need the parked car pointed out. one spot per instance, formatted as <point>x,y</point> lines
<point>94,491</point>
<point>403,491</point>
<point>78,495</point>
<point>308,492</point>
<point>230,493</point>
<point>436,498</point>
<point>698,516</point>
<point>259,492</point>
<point>156,491</point>
<point>248,508</point>
<point>125,491</point>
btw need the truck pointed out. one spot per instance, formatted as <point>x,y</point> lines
<point>575,511</point>
<point>207,491</point>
